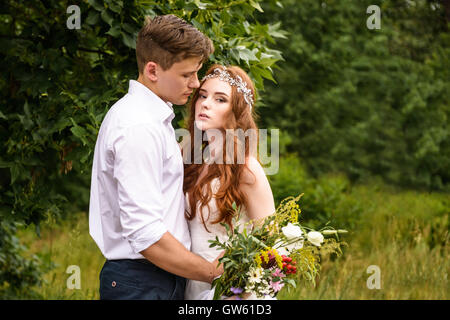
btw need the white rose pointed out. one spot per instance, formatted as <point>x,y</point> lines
<point>316,238</point>
<point>291,231</point>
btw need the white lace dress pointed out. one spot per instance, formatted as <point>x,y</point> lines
<point>198,290</point>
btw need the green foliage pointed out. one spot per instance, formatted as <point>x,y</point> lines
<point>365,102</point>
<point>17,272</point>
<point>325,199</point>
<point>56,85</point>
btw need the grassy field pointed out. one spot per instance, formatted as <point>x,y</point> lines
<point>404,234</point>
<point>66,245</point>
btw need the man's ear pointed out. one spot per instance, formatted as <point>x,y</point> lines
<point>150,71</point>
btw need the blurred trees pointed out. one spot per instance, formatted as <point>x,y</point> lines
<point>365,102</point>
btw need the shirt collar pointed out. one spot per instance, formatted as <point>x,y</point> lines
<point>162,109</point>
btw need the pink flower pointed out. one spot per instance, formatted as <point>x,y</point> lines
<point>276,286</point>
<point>278,273</point>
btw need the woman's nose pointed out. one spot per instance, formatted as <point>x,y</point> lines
<point>205,103</point>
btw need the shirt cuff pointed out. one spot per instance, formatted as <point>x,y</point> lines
<point>147,236</point>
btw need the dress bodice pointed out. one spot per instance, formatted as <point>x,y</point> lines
<point>200,236</point>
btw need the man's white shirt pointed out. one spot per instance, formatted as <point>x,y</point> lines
<point>137,177</point>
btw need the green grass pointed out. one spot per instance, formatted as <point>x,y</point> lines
<point>404,233</point>
<point>66,245</point>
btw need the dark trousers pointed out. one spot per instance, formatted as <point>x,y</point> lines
<point>139,280</point>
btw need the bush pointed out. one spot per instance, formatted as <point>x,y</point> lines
<point>17,273</point>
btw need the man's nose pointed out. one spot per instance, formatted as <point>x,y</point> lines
<point>194,82</point>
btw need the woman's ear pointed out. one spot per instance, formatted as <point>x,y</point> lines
<point>150,71</point>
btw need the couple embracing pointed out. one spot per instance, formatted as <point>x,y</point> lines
<point>150,213</point>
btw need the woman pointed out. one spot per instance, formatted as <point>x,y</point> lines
<point>221,107</point>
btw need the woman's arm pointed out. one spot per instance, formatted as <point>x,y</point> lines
<point>257,189</point>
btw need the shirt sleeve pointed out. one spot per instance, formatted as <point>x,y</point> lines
<point>138,167</point>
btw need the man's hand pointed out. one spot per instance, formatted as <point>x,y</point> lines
<point>217,267</point>
<point>169,254</point>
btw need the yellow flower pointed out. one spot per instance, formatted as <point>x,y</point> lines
<point>258,260</point>
<point>265,256</point>
<point>278,259</point>
<point>294,216</point>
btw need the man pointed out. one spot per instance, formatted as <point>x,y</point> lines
<point>136,213</point>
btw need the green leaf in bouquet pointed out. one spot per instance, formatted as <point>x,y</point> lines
<point>226,226</point>
<point>218,288</point>
<point>224,259</point>
<point>291,282</point>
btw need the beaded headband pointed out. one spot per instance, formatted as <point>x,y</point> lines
<point>240,85</point>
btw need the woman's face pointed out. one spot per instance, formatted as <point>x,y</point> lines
<point>213,104</point>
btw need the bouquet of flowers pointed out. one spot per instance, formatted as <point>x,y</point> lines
<point>264,256</point>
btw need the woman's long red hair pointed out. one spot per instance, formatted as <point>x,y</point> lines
<point>230,175</point>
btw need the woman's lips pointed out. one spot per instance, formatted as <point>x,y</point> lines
<point>203,116</point>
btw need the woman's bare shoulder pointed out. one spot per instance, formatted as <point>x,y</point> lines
<point>254,171</point>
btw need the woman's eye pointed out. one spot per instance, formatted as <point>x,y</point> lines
<point>221,100</point>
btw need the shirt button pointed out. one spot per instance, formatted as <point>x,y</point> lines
<point>113,284</point>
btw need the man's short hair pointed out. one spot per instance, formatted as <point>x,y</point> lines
<point>168,39</point>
